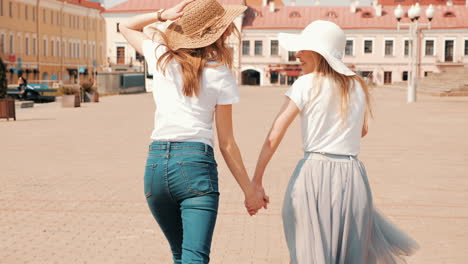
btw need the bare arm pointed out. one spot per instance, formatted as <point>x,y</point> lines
<point>365,127</point>
<point>233,158</point>
<point>131,28</point>
<point>281,124</point>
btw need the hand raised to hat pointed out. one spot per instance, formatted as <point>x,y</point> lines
<point>176,11</point>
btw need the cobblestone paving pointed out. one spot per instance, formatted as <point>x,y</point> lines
<point>71,181</point>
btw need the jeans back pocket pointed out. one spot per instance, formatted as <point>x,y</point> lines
<point>199,176</point>
<point>148,179</point>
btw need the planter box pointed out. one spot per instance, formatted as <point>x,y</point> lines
<point>70,101</point>
<point>91,97</point>
<point>7,109</point>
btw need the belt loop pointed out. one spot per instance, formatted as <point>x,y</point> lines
<point>206,148</point>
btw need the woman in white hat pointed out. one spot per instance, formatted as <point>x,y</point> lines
<point>192,85</point>
<point>328,213</point>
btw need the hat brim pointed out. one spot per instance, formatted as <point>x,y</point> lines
<point>178,40</point>
<point>295,42</point>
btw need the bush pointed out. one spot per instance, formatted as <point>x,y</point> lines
<point>3,80</point>
<point>68,90</point>
<point>88,87</point>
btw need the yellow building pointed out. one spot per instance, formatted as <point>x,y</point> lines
<point>52,40</point>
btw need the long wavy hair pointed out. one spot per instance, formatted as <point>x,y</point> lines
<point>194,61</point>
<point>323,71</point>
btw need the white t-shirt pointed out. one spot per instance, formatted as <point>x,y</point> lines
<point>323,129</point>
<point>182,118</point>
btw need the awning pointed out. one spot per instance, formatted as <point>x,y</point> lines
<point>293,73</point>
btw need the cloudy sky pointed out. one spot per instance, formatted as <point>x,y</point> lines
<point>327,2</point>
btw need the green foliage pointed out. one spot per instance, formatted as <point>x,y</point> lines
<point>3,80</point>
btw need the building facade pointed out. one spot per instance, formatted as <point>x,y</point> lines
<point>375,48</point>
<point>52,41</point>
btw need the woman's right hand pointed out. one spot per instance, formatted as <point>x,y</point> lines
<point>176,11</point>
<point>255,199</point>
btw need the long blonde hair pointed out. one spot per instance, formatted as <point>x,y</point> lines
<point>194,61</point>
<point>323,70</point>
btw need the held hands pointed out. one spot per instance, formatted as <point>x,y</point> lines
<point>255,199</point>
<point>176,11</point>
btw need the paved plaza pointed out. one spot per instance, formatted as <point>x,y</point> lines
<point>71,186</point>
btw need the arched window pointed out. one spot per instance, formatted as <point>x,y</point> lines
<point>331,14</point>
<point>449,14</point>
<point>294,14</point>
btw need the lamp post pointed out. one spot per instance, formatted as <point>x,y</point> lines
<point>414,13</point>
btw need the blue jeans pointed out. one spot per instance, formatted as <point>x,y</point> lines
<point>181,188</point>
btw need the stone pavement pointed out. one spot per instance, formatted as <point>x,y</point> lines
<point>71,180</point>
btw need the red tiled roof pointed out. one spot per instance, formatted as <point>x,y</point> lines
<point>262,18</point>
<point>260,2</point>
<point>132,6</point>
<point>421,2</point>
<point>85,3</point>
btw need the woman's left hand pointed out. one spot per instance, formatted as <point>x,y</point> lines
<point>175,12</point>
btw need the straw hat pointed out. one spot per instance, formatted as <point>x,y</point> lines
<point>203,22</point>
<point>323,37</point>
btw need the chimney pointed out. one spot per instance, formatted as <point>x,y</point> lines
<point>264,2</point>
<point>378,10</point>
<point>272,6</point>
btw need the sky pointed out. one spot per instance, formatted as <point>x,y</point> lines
<point>327,2</point>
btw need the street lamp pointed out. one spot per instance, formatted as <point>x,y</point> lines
<point>414,13</point>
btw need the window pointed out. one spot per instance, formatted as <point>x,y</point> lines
<point>10,9</point>
<point>258,47</point>
<point>388,47</point>
<point>100,51</point>
<point>291,56</point>
<point>84,51</point>
<point>274,47</point>
<point>274,77</point>
<point>34,46</point>
<point>118,29</point>
<point>245,47</point>
<point>1,7</point>
<point>466,47</point>
<point>368,46</point>
<point>404,76</point>
<point>44,19</point>
<point>34,14</point>
<point>52,17</point>
<point>57,47</point>
<point>120,55</point>
<point>26,12</point>
<point>78,47</point>
<point>429,50</point>
<point>69,21</point>
<point>77,22</point>
<point>294,14</point>
<point>44,50</point>
<point>11,45</point>
<point>52,53</point>
<point>387,77</point>
<point>26,46</point>
<point>70,51</point>
<point>406,48</point>
<point>58,18</point>
<point>2,43</point>
<point>349,47</point>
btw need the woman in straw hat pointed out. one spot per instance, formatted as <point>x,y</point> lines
<point>192,84</point>
<point>328,213</point>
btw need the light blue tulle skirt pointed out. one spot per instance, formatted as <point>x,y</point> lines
<point>329,217</point>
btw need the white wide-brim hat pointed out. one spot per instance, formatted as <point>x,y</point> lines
<point>323,37</point>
